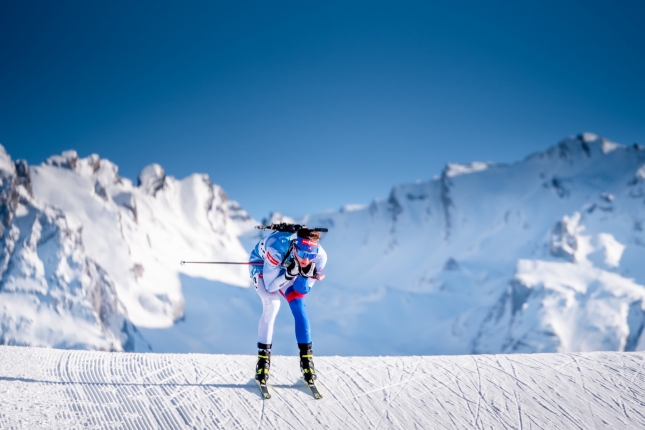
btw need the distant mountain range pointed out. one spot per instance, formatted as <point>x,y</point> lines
<point>542,255</point>
<point>87,255</point>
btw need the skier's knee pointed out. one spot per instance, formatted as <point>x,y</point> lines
<point>271,308</point>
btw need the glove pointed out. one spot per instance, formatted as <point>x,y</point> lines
<point>292,270</point>
<point>308,271</point>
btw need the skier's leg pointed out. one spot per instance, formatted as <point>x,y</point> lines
<point>303,336</point>
<point>264,363</point>
<point>270,308</point>
<point>307,362</point>
<point>303,328</point>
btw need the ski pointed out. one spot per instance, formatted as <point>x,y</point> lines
<point>313,389</point>
<point>263,389</point>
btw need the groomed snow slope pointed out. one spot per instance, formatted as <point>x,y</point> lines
<point>45,388</point>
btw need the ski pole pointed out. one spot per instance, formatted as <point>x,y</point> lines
<point>249,263</point>
<point>318,276</point>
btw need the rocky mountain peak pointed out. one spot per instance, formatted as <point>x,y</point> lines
<point>152,179</point>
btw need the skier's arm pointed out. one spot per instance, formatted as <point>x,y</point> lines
<point>274,275</point>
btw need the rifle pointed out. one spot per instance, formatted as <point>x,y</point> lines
<point>289,228</point>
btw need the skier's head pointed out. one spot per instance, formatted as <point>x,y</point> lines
<point>305,247</point>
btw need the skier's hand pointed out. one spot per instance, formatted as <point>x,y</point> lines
<point>292,269</point>
<point>308,271</point>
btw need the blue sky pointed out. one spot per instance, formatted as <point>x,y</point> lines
<point>305,106</point>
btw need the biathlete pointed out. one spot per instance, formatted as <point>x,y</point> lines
<point>292,262</point>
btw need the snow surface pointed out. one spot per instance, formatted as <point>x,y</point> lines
<point>56,389</point>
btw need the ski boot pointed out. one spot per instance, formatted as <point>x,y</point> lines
<point>264,363</point>
<point>307,362</point>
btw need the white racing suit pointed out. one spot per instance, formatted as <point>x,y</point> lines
<point>270,282</point>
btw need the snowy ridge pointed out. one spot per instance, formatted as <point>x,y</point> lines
<point>544,255</point>
<point>139,234</point>
<point>52,293</point>
<point>55,389</point>
<point>87,254</point>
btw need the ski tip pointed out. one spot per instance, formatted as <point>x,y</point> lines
<point>264,390</point>
<point>313,389</point>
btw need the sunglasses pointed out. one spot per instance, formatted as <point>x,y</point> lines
<point>305,255</point>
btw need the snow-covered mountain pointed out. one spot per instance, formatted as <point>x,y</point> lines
<point>542,255</point>
<point>86,254</point>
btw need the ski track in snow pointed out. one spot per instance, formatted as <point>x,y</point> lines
<point>58,389</point>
